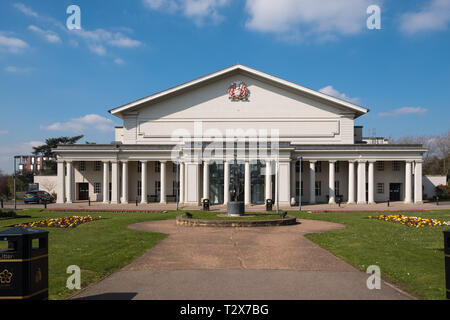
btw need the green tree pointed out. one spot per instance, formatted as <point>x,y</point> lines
<point>23,179</point>
<point>4,189</point>
<point>45,150</point>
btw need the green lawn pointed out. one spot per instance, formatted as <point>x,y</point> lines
<point>98,248</point>
<point>411,258</point>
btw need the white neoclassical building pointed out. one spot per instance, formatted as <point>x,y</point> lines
<point>240,134</point>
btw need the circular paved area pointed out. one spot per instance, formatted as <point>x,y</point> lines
<point>276,263</point>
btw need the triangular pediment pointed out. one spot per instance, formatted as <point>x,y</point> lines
<point>264,89</point>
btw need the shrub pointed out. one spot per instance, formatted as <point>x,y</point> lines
<point>7,214</point>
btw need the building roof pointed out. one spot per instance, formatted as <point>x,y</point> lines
<point>337,147</point>
<point>238,68</point>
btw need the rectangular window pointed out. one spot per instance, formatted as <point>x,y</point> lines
<point>157,166</point>
<point>319,166</point>
<point>82,166</point>
<point>158,187</point>
<point>139,188</point>
<point>139,166</point>
<point>336,188</point>
<point>98,166</point>
<point>380,188</point>
<point>395,166</point>
<point>380,165</point>
<point>97,187</point>
<point>175,186</point>
<point>336,167</point>
<point>296,188</point>
<point>318,188</point>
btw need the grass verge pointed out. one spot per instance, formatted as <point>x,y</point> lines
<point>98,248</point>
<point>411,258</point>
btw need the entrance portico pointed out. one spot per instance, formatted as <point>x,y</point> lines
<point>126,177</point>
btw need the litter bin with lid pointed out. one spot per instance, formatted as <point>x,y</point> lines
<point>23,264</point>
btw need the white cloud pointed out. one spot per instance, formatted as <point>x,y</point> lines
<point>200,11</point>
<point>404,111</point>
<point>115,39</point>
<point>119,61</point>
<point>89,121</point>
<point>12,44</point>
<point>329,90</point>
<point>25,10</point>
<point>323,20</point>
<point>432,17</point>
<point>98,49</point>
<point>14,69</point>
<point>96,41</point>
<point>48,35</point>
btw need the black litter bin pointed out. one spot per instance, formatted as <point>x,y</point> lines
<point>24,264</point>
<point>206,204</point>
<point>269,204</point>
<point>447,261</point>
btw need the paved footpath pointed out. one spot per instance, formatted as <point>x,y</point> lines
<point>276,263</point>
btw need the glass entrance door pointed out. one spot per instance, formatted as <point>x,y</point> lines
<point>216,174</point>
<point>258,182</point>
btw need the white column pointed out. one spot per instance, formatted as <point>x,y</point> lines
<point>114,182</point>
<point>331,176</point>
<point>284,182</point>
<point>247,186</point>
<point>163,182</point>
<point>268,181</point>
<point>226,182</point>
<point>371,183</point>
<point>418,182</point>
<point>205,180</point>
<point>181,182</point>
<point>312,182</point>
<point>300,183</point>
<point>69,182</point>
<point>362,182</point>
<point>351,182</point>
<point>61,183</point>
<point>144,187</point>
<point>105,182</point>
<point>125,182</point>
<point>293,178</point>
<point>408,181</point>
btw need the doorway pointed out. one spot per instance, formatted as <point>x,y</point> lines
<point>83,191</point>
<point>216,175</point>
<point>257,182</point>
<point>394,191</point>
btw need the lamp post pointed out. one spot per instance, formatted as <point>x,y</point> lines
<point>178,181</point>
<point>15,204</point>
<point>300,184</point>
<point>277,176</point>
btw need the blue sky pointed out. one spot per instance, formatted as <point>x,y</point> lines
<point>54,81</point>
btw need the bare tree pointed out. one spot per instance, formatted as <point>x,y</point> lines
<point>443,149</point>
<point>436,158</point>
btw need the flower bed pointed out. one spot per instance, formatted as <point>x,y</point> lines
<point>66,222</point>
<point>411,221</point>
